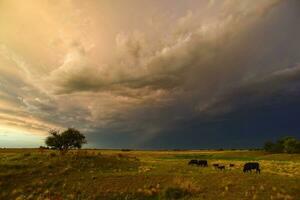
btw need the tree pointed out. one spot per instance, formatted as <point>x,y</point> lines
<point>273,147</point>
<point>277,148</point>
<point>268,146</point>
<point>291,145</point>
<point>69,139</point>
<point>283,145</point>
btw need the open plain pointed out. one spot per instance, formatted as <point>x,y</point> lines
<point>129,174</point>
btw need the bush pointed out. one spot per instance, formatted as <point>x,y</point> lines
<point>283,145</point>
<point>291,145</point>
<point>274,147</point>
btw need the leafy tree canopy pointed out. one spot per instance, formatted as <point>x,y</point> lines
<point>283,145</point>
<point>68,139</point>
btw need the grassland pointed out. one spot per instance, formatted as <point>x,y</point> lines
<point>108,174</point>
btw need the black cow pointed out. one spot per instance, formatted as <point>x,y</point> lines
<point>251,166</point>
<point>215,165</point>
<point>221,167</point>
<point>231,165</point>
<point>202,163</point>
<point>193,162</point>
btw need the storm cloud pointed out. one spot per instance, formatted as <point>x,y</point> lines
<point>193,74</point>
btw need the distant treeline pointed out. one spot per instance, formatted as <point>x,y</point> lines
<point>283,145</point>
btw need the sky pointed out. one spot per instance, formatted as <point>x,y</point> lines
<point>161,74</point>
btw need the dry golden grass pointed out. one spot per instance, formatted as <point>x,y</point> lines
<point>112,174</point>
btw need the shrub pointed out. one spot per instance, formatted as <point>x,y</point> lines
<point>291,145</point>
<point>283,145</point>
<point>268,146</point>
<point>274,147</point>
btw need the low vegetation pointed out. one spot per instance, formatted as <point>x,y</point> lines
<point>156,175</point>
<point>284,145</point>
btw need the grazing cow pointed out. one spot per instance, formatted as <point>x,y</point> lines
<point>193,162</point>
<point>250,166</point>
<point>215,165</point>
<point>221,167</point>
<point>231,165</point>
<point>202,163</point>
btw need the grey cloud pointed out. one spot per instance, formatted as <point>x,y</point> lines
<point>278,86</point>
<point>201,68</point>
<point>25,104</point>
<point>142,65</point>
<point>189,48</point>
<point>246,70</point>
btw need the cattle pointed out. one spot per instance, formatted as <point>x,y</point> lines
<point>193,162</point>
<point>221,167</point>
<point>215,165</point>
<point>231,165</point>
<point>251,166</point>
<point>202,163</point>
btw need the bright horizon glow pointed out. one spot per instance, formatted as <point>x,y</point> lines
<point>12,138</point>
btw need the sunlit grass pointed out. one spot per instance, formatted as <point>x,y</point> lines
<point>109,174</point>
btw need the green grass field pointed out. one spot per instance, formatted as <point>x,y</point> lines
<point>109,174</point>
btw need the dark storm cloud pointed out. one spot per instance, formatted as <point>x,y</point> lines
<point>237,96</point>
<point>205,78</point>
<point>279,87</point>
